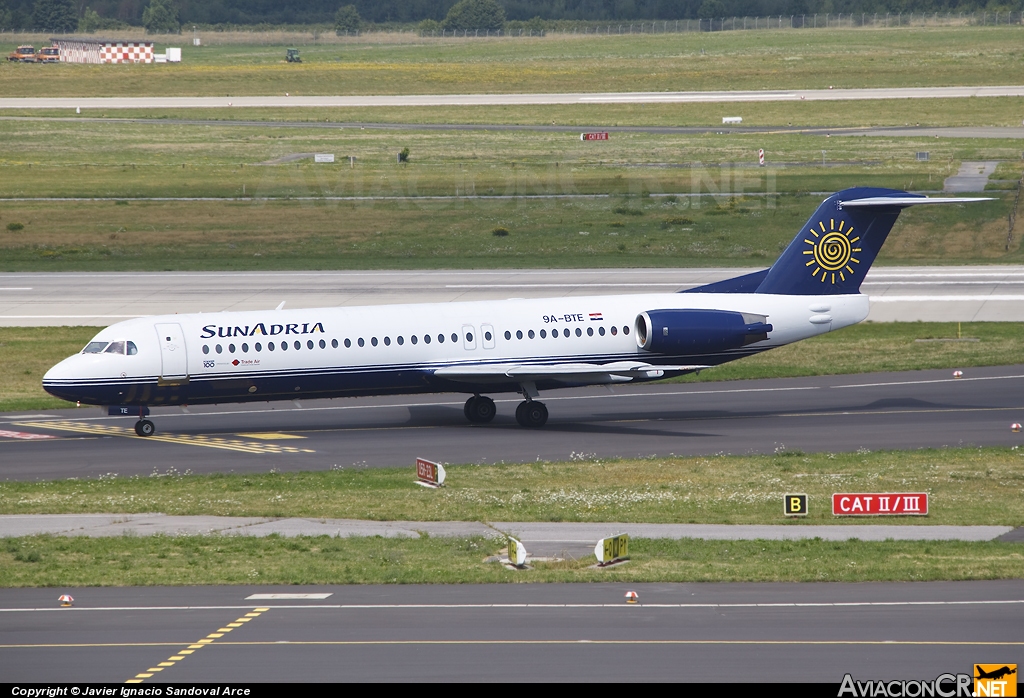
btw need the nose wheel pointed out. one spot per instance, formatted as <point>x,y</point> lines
<point>480,409</point>
<point>144,427</point>
<point>532,414</point>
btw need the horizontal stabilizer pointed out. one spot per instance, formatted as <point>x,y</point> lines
<point>568,372</point>
<point>904,201</point>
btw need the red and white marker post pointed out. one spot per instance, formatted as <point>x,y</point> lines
<point>429,474</point>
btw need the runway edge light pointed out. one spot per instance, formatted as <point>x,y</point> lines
<point>66,600</point>
<point>1015,428</point>
<point>958,374</point>
<point>429,474</point>
<point>631,597</point>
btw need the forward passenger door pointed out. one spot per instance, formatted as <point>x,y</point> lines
<point>173,359</point>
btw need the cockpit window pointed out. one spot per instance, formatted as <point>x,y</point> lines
<point>132,349</point>
<point>114,348</point>
<point>94,347</point>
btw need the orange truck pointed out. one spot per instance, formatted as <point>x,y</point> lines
<point>48,54</point>
<point>23,54</point>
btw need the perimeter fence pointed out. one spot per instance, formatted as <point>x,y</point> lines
<point>212,35</point>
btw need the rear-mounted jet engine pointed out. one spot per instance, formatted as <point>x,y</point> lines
<point>698,331</point>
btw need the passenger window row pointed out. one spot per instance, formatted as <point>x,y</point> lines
<point>566,333</point>
<point>258,346</point>
<point>400,340</point>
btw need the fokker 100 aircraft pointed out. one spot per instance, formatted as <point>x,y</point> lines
<point>518,346</point>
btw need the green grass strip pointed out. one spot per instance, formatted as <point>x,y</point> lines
<point>967,486</point>
<point>46,561</point>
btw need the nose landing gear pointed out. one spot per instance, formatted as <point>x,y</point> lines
<point>480,409</point>
<point>144,427</point>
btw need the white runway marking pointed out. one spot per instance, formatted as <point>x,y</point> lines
<point>286,597</point>
<point>937,380</point>
<point>935,283</point>
<point>610,283</point>
<point>947,299</point>
<point>69,317</point>
<point>499,606</point>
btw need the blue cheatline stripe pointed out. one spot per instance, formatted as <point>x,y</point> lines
<point>387,369</point>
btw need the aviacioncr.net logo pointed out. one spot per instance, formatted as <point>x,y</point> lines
<point>943,686</point>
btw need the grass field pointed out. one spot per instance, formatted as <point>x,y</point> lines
<point>966,486</point>
<point>458,233</point>
<point>156,157</point>
<point>115,158</point>
<point>26,353</point>
<point>153,159</point>
<point>805,58</point>
<point>44,561</point>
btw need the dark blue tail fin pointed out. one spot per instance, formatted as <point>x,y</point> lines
<point>838,244</point>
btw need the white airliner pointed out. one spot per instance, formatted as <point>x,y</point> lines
<point>521,346</point>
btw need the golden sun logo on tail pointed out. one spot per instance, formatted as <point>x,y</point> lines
<point>832,251</point>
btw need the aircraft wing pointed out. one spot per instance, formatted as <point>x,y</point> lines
<point>568,372</point>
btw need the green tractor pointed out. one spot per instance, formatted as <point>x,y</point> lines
<point>292,56</point>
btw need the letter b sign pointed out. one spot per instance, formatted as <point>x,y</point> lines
<point>795,505</point>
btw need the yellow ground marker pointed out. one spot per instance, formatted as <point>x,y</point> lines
<point>270,436</point>
<point>182,654</point>
<point>182,439</point>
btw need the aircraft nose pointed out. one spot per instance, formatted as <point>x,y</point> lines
<point>62,371</point>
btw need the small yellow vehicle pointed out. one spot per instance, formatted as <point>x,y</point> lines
<point>23,54</point>
<point>48,54</point>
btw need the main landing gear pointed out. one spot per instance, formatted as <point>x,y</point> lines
<point>531,414</point>
<point>481,410</point>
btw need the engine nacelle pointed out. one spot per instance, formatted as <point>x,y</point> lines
<point>698,331</point>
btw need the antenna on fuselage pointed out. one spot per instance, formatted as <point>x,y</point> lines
<point>280,306</point>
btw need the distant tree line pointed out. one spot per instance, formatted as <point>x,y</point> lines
<point>161,16</point>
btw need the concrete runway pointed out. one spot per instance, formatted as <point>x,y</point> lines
<point>942,294</point>
<point>737,96</point>
<point>925,409</point>
<point>520,632</point>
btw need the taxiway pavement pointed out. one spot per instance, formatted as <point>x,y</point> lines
<point>1000,132</point>
<point>511,632</point>
<point>943,294</point>
<point>917,409</point>
<point>546,534</point>
<point>737,96</point>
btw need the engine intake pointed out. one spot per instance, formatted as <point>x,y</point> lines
<point>698,331</point>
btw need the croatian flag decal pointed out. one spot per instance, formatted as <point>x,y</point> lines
<point>596,316</point>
